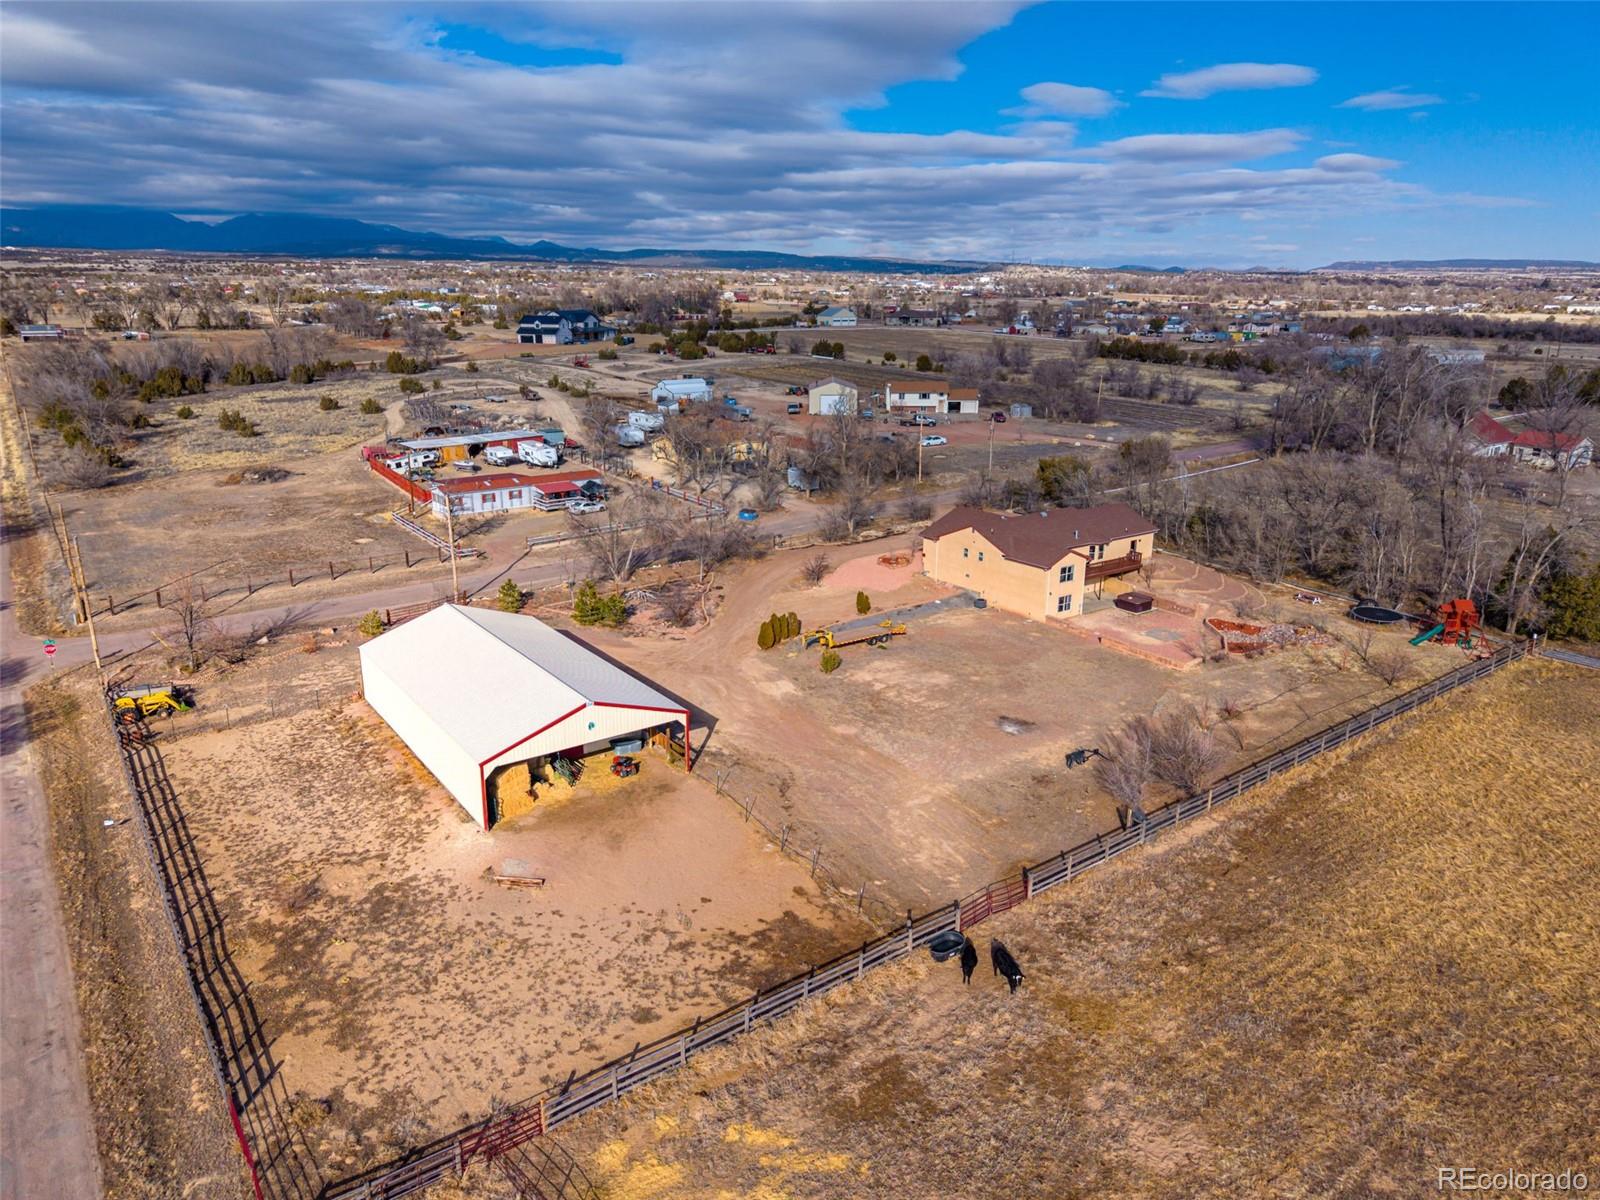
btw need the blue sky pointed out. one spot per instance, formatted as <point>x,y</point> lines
<point>1275,134</point>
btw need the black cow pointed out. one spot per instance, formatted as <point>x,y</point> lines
<point>1000,958</point>
<point>1081,756</point>
<point>969,960</point>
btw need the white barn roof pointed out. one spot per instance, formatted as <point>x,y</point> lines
<point>488,678</point>
<point>470,689</point>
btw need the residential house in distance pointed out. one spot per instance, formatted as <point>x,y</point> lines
<point>832,397</point>
<point>837,318</point>
<point>1539,448</point>
<point>928,399</point>
<point>915,317</point>
<point>1488,437</point>
<point>561,327</point>
<point>41,333</point>
<point>1037,565</point>
<point>510,489</point>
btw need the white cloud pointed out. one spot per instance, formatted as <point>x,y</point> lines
<point>1200,147</point>
<point>1392,98</point>
<point>1230,77</point>
<point>718,133</point>
<point>1355,162</point>
<point>1069,100</point>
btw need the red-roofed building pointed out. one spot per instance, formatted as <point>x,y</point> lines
<point>1489,438</point>
<point>1541,449</point>
<point>505,490</point>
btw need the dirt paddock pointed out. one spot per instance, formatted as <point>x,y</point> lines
<point>404,988</point>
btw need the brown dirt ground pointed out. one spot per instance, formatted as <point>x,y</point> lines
<point>404,988</point>
<point>895,763</point>
<point>1382,964</point>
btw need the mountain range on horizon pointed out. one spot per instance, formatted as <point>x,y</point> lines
<point>86,227</point>
<point>302,235</point>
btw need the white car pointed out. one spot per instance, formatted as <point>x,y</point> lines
<point>935,439</point>
<point>586,506</point>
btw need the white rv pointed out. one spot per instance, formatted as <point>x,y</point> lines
<point>629,435</point>
<point>650,422</point>
<point>538,454</point>
<point>417,460</point>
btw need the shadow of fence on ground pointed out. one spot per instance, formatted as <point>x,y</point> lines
<point>280,1164</point>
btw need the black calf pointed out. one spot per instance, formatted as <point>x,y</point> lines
<point>1004,964</point>
<point>969,960</point>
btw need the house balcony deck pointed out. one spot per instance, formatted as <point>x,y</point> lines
<point>1106,568</point>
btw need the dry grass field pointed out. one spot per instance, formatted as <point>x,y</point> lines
<point>1381,964</point>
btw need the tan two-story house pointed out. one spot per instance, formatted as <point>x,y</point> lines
<point>1038,565</point>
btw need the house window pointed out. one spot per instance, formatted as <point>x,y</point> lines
<point>980,555</point>
<point>1064,603</point>
<point>966,553</point>
<point>1133,546</point>
<point>1066,573</point>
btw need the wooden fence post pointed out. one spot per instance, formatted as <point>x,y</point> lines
<point>158,599</point>
<point>1027,888</point>
<point>908,931</point>
<point>408,559</point>
<point>783,841</point>
<point>861,893</point>
<point>291,576</point>
<point>331,576</point>
<point>815,854</point>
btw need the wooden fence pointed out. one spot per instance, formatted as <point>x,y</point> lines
<point>532,1118</point>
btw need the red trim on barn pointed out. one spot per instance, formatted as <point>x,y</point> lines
<point>534,734</point>
<point>684,712</point>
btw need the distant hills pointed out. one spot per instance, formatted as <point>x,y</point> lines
<point>1466,264</point>
<point>96,227</point>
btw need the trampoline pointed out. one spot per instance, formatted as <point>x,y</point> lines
<point>1374,613</point>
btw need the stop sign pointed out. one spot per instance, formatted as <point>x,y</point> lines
<point>49,648</point>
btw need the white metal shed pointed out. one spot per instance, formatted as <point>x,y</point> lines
<point>469,690</point>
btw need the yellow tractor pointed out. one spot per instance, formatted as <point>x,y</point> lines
<point>869,637</point>
<point>138,701</point>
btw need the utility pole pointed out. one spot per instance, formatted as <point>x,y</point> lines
<point>919,453</point>
<point>80,589</point>
<point>991,447</point>
<point>450,532</point>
